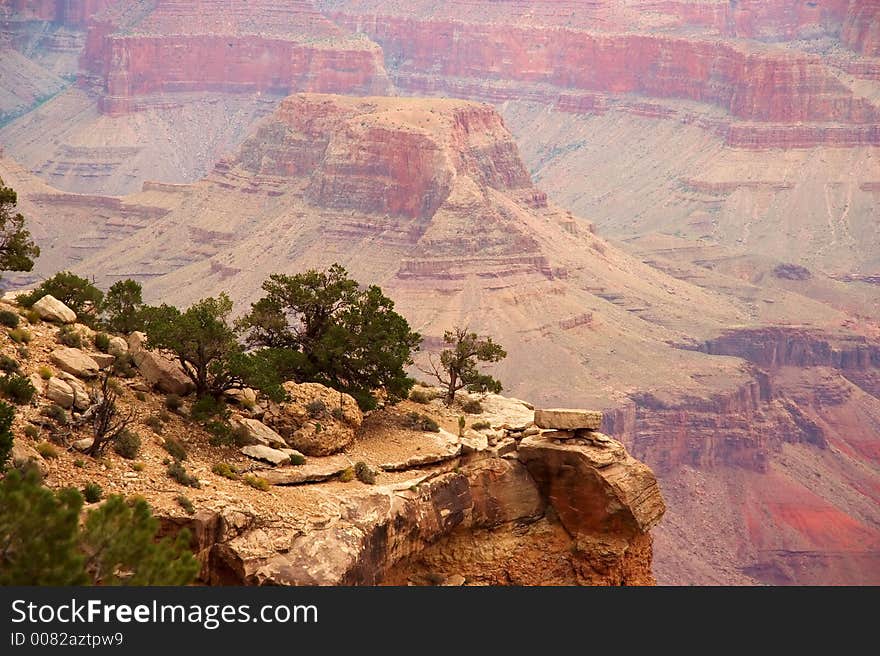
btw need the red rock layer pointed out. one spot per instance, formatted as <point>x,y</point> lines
<point>861,28</point>
<point>72,13</point>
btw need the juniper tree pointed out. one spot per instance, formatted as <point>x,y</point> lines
<point>17,250</point>
<point>457,368</point>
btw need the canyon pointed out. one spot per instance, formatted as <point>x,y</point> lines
<point>679,227</point>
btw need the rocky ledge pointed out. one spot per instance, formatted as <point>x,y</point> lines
<point>524,511</point>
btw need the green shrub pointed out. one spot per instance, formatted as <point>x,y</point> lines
<point>17,388</point>
<point>55,412</point>
<point>481,425</point>
<point>79,463</point>
<point>102,342</point>
<point>138,466</point>
<point>164,416</point>
<point>124,365</point>
<point>33,317</point>
<point>92,492</point>
<point>178,472</point>
<point>153,422</point>
<point>224,470</point>
<point>421,422</point>
<point>224,434</point>
<point>346,475</point>
<point>472,407</point>
<point>7,364</point>
<point>420,396</point>
<point>207,407</point>
<point>123,307</point>
<point>45,372</point>
<point>127,444</point>
<point>184,502</point>
<point>69,336</point>
<point>256,482</point>
<point>8,319</point>
<point>364,473</point>
<point>316,409</point>
<point>140,396</point>
<point>173,402</point>
<point>174,448</point>
<point>47,450</point>
<point>338,414</point>
<point>7,416</point>
<point>31,431</point>
<point>297,459</point>
<point>20,336</point>
<point>23,352</point>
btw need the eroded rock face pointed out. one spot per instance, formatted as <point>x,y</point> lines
<point>486,521</point>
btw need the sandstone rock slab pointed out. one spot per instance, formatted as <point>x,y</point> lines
<point>51,309</point>
<point>75,362</point>
<point>266,454</point>
<point>160,371</point>
<point>568,419</point>
<point>258,432</point>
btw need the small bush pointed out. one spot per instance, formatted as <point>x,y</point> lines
<point>207,407</point>
<point>338,414</point>
<point>153,422</point>
<point>92,492</point>
<point>79,294</point>
<point>178,472</point>
<point>17,388</point>
<point>7,364</point>
<point>472,407</point>
<point>55,412</point>
<point>69,336</point>
<point>47,450</point>
<point>127,444</point>
<point>79,463</point>
<point>316,409</point>
<point>420,422</point>
<point>115,386</point>
<point>138,466</point>
<point>140,396</point>
<point>31,431</point>
<point>346,475</point>
<point>297,459</point>
<point>420,396</point>
<point>20,336</point>
<point>33,317</point>
<point>124,365</point>
<point>102,342</point>
<point>256,482</point>
<point>174,448</point>
<point>173,402</point>
<point>45,372</point>
<point>23,352</point>
<point>184,502</point>
<point>224,470</point>
<point>364,473</point>
<point>164,416</point>
<point>8,319</point>
<point>481,425</point>
<point>224,434</point>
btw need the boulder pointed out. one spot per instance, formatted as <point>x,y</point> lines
<point>258,432</point>
<point>501,411</point>
<point>104,360</point>
<point>266,454</point>
<point>245,397</point>
<point>118,346</point>
<point>38,382</point>
<point>568,419</point>
<point>160,371</point>
<point>84,444</point>
<point>75,362</point>
<point>51,309</point>
<point>21,455</point>
<point>83,399</point>
<point>316,420</point>
<point>58,391</point>
<point>473,441</point>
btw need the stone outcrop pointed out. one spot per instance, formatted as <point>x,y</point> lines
<point>316,420</point>
<point>484,523</point>
<point>266,454</point>
<point>568,419</point>
<point>159,370</point>
<point>257,432</point>
<point>51,309</point>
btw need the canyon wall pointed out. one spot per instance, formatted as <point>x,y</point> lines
<point>861,28</point>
